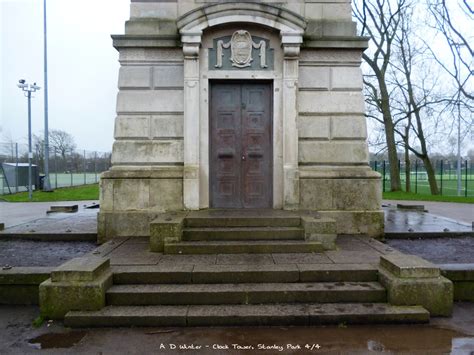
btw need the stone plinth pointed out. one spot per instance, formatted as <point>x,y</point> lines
<point>412,281</point>
<point>80,285</point>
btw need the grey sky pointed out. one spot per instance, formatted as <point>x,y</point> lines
<point>83,67</point>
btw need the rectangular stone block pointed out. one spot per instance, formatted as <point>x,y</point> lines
<point>330,102</point>
<point>58,298</point>
<point>168,76</point>
<point>131,77</point>
<point>166,194</point>
<point>313,78</point>
<point>106,194</point>
<point>346,78</point>
<point>341,11</point>
<point>369,223</point>
<point>150,55</point>
<point>166,126</point>
<point>18,294</point>
<point>333,152</point>
<point>80,269</point>
<point>150,101</point>
<point>314,127</point>
<point>141,152</point>
<point>127,127</point>
<point>158,10</point>
<point>125,224</point>
<point>168,227</point>
<point>348,127</point>
<point>24,275</point>
<point>458,272</point>
<point>403,265</point>
<point>433,293</point>
<point>131,194</point>
<point>330,57</point>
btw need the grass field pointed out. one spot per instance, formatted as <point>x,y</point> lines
<point>410,196</point>
<point>448,188</point>
<point>76,193</point>
<point>57,181</point>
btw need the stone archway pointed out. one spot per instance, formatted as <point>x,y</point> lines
<point>291,28</point>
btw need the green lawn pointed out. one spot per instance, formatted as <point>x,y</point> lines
<point>410,196</point>
<point>91,192</point>
<point>76,193</point>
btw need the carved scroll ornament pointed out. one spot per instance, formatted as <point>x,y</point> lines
<point>241,45</point>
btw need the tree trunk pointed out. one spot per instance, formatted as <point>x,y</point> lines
<point>431,175</point>
<point>407,163</point>
<point>395,183</point>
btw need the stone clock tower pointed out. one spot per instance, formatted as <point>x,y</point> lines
<point>240,105</point>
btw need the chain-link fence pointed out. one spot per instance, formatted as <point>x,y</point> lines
<point>445,172</point>
<point>67,167</point>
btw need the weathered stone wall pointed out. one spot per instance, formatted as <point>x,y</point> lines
<point>328,160</point>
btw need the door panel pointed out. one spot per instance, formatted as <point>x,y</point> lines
<point>240,146</point>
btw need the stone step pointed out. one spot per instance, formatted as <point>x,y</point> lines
<point>242,221</point>
<point>243,233</point>
<point>243,247</point>
<point>247,315</point>
<point>276,273</point>
<point>245,293</point>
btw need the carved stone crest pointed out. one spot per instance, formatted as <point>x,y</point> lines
<point>241,45</point>
<point>241,49</point>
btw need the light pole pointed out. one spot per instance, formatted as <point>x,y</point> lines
<point>46,182</point>
<point>28,89</point>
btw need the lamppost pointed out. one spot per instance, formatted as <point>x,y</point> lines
<point>46,182</point>
<point>28,89</point>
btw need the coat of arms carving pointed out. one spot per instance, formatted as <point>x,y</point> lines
<point>241,45</point>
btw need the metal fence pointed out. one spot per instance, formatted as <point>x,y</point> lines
<point>445,173</point>
<point>67,167</point>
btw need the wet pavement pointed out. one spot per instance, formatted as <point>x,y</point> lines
<point>59,225</point>
<point>443,336</point>
<point>401,223</point>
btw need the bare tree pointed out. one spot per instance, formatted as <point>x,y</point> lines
<point>417,96</point>
<point>380,21</point>
<point>461,50</point>
<point>62,142</point>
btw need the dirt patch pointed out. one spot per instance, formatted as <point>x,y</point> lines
<point>438,250</point>
<point>36,253</point>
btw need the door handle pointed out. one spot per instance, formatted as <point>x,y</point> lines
<point>243,157</point>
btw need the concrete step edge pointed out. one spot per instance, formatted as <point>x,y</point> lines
<point>205,315</point>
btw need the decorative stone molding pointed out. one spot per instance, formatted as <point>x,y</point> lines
<point>191,27</point>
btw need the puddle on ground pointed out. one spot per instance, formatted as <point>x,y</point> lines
<point>57,340</point>
<point>353,339</point>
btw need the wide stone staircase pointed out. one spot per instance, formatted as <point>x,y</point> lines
<point>235,232</point>
<point>231,295</point>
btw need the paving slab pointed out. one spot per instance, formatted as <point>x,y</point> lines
<point>403,265</point>
<point>245,259</point>
<point>354,257</point>
<point>32,218</point>
<point>301,258</point>
<point>400,223</point>
<point>202,259</point>
<point>461,212</point>
<point>245,273</point>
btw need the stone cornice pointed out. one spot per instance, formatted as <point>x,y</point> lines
<point>336,42</point>
<point>145,41</point>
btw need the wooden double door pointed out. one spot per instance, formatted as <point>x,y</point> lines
<point>241,145</point>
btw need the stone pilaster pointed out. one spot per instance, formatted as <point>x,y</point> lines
<point>291,50</point>
<point>191,44</point>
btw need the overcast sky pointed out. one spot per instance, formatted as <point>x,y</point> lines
<point>83,67</point>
